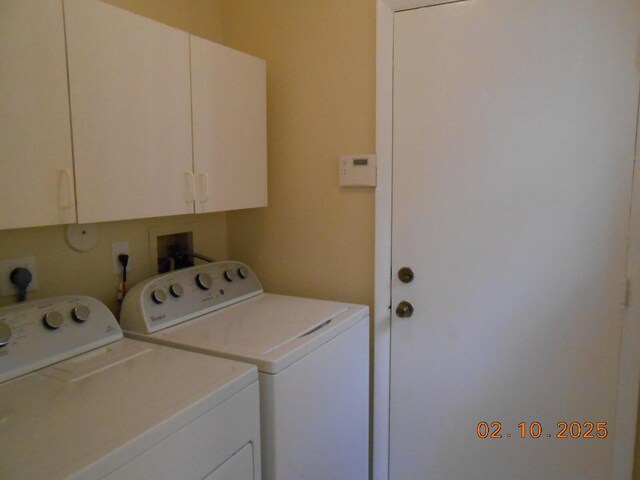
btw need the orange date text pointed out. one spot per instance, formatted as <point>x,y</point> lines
<point>569,429</point>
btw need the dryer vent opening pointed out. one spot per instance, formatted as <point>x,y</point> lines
<point>170,251</point>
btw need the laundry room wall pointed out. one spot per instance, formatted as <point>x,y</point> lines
<point>199,17</point>
<point>314,239</point>
<point>61,270</point>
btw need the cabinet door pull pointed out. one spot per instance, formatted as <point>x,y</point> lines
<point>65,189</point>
<point>190,186</point>
<point>204,187</point>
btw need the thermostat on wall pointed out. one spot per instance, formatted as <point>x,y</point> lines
<point>357,171</point>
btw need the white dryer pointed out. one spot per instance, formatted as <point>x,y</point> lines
<point>77,401</point>
<point>313,358</point>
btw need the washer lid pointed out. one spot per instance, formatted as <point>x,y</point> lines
<point>92,413</point>
<point>271,331</point>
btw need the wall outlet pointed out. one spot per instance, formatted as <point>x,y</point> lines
<point>119,248</point>
<point>7,266</point>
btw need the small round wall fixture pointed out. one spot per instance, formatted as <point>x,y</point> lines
<point>82,238</point>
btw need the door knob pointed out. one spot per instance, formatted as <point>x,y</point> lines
<point>405,274</point>
<point>404,309</point>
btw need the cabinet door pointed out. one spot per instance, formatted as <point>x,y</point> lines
<point>229,127</point>
<point>131,113</point>
<point>36,178</point>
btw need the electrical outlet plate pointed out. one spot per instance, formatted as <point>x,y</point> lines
<point>7,266</point>
<point>119,248</point>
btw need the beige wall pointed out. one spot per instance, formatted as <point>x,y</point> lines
<point>199,17</point>
<point>314,239</point>
<point>62,270</point>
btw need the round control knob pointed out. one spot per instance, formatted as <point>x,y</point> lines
<point>53,320</point>
<point>5,334</point>
<point>229,276</point>
<point>176,290</point>
<point>204,282</point>
<point>80,313</point>
<point>158,296</point>
<point>243,272</point>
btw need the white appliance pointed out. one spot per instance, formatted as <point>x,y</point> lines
<point>77,401</point>
<point>313,358</point>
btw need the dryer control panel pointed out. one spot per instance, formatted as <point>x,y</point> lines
<point>172,298</point>
<point>36,334</point>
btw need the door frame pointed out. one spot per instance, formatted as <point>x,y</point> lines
<point>629,379</point>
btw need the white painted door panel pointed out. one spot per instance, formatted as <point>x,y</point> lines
<point>36,166</point>
<point>131,113</point>
<point>229,127</point>
<point>514,132</point>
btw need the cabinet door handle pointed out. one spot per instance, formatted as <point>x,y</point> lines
<point>204,187</point>
<point>190,186</point>
<point>65,189</point>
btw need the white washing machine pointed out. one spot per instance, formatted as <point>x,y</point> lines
<point>313,358</point>
<point>78,401</point>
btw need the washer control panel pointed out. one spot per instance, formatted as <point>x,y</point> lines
<point>174,297</point>
<point>39,333</point>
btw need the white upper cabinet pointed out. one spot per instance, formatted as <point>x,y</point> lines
<point>229,127</point>
<point>131,113</point>
<point>36,178</point>
<point>136,119</point>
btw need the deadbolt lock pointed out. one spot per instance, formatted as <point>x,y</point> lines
<point>405,274</point>
<point>404,309</point>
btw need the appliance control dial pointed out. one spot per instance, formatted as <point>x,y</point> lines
<point>5,334</point>
<point>243,273</point>
<point>53,320</point>
<point>80,313</point>
<point>203,280</point>
<point>229,275</point>
<point>158,296</point>
<point>176,290</point>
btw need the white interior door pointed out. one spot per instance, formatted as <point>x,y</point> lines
<point>514,132</point>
